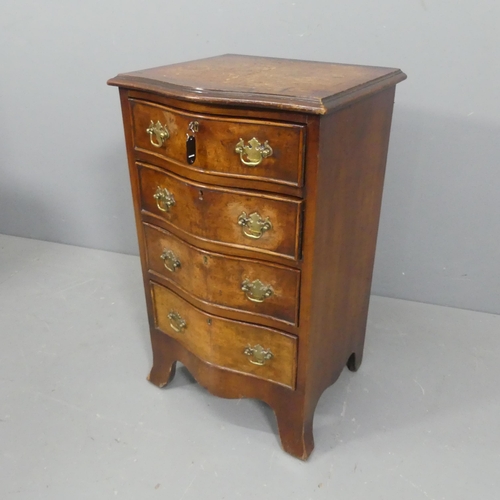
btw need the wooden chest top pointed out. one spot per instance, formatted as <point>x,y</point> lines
<point>313,87</point>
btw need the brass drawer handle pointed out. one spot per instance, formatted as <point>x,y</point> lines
<point>164,199</point>
<point>254,226</point>
<point>255,152</point>
<point>158,134</point>
<point>177,322</point>
<point>170,261</point>
<point>256,291</point>
<point>257,355</point>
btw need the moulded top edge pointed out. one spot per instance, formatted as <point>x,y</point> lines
<point>292,85</point>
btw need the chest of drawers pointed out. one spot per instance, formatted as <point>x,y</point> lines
<point>257,185</point>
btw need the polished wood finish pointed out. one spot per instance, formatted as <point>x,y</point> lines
<point>216,140</point>
<point>306,86</point>
<point>222,342</point>
<point>319,255</point>
<point>201,273</point>
<point>192,172</point>
<point>211,213</point>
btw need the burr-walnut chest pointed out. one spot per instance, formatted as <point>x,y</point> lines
<point>257,185</point>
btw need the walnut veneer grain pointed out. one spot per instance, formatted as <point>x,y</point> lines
<point>322,192</point>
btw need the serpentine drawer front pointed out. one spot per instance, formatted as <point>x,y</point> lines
<point>233,147</point>
<point>263,223</point>
<point>226,343</point>
<point>257,185</point>
<point>246,285</point>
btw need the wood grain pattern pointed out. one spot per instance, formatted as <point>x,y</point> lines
<point>211,213</point>
<point>313,87</point>
<point>222,342</point>
<point>220,109</point>
<point>217,278</point>
<point>326,232</point>
<point>286,402</point>
<point>347,223</point>
<point>216,141</point>
<point>208,108</point>
<point>340,231</point>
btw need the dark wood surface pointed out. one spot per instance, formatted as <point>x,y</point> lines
<point>309,86</point>
<point>211,213</point>
<point>222,342</point>
<point>320,257</point>
<point>192,171</point>
<point>216,141</point>
<point>201,273</point>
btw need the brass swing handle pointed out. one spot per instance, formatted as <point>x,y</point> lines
<point>254,226</point>
<point>164,199</point>
<point>158,134</point>
<point>170,260</point>
<point>253,154</point>
<point>256,291</point>
<point>257,355</point>
<point>177,322</point>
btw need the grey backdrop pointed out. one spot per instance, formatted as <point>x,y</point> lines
<point>62,155</point>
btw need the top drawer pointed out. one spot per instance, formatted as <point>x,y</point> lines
<point>231,147</point>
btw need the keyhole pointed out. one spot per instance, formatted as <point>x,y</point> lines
<point>209,321</point>
<point>205,260</point>
<point>200,197</point>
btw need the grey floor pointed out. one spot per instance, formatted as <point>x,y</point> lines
<point>78,420</point>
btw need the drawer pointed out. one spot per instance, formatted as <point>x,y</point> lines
<point>258,351</point>
<point>270,151</point>
<point>234,218</point>
<point>230,282</point>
